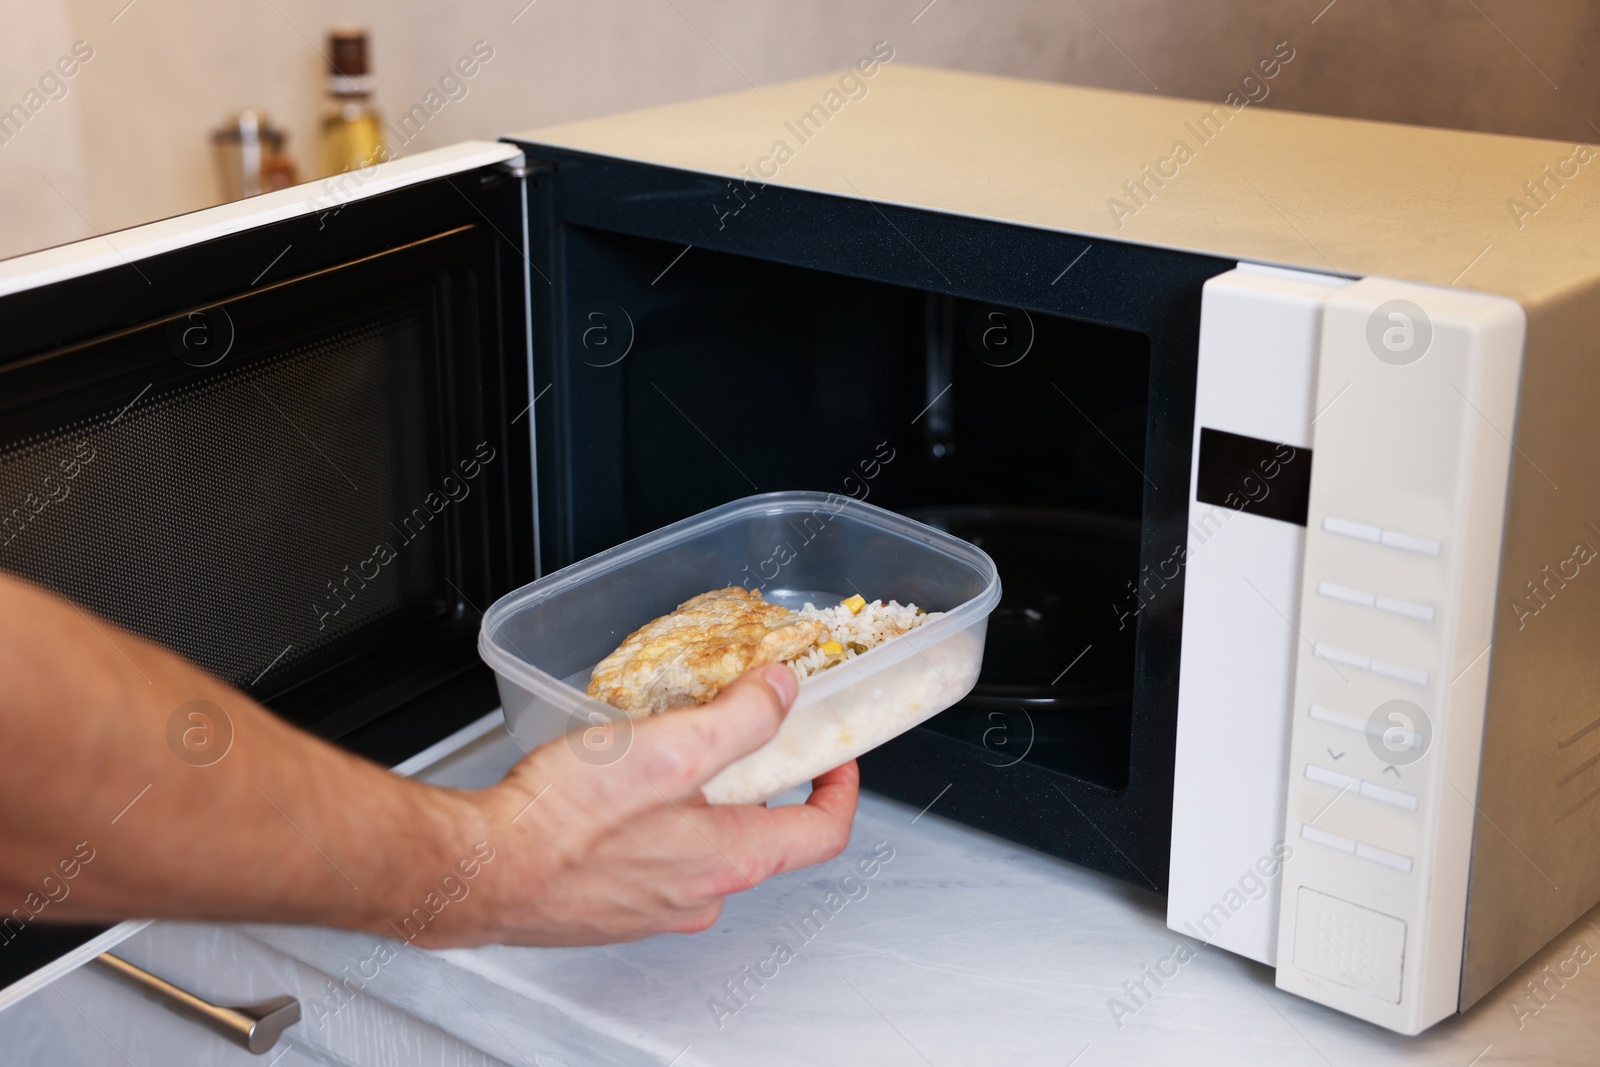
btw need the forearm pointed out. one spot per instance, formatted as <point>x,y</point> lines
<point>282,827</point>
<point>105,813</point>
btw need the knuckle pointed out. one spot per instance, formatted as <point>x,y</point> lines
<point>674,899</point>
<point>763,870</point>
<point>771,708</point>
<point>761,710</point>
<point>732,881</point>
<point>669,760</point>
<point>717,730</point>
<point>688,897</point>
<point>710,731</point>
<point>838,840</point>
<point>702,919</point>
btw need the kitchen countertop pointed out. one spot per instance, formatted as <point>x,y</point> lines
<point>960,948</point>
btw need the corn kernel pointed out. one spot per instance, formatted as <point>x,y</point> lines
<point>832,648</point>
<point>855,603</point>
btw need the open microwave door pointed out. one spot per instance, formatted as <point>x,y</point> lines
<point>287,438</point>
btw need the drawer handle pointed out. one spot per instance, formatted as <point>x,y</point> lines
<point>257,1027</point>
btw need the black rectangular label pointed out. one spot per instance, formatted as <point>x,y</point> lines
<point>1248,474</point>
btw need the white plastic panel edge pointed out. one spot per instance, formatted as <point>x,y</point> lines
<point>1419,449</point>
<point>181,231</point>
<point>1259,328</point>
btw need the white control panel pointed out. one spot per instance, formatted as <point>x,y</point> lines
<point>1256,384</point>
<point>1415,401</point>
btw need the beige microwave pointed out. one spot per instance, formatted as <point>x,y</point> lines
<point>1283,430</point>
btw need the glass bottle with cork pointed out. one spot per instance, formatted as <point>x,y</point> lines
<point>352,133</point>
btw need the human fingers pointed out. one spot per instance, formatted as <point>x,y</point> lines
<point>837,791</point>
<point>680,751</point>
<point>759,842</point>
<point>819,829</point>
<point>643,762</point>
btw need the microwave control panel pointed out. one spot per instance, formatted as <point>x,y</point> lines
<point>1415,401</point>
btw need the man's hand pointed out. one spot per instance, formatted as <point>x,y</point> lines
<point>101,818</point>
<point>590,854</point>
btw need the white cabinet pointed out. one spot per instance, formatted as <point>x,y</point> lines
<point>91,1017</point>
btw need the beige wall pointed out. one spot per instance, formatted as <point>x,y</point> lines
<point>129,140</point>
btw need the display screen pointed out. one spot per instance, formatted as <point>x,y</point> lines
<point>1265,478</point>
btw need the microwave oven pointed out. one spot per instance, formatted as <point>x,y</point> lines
<point>1273,423</point>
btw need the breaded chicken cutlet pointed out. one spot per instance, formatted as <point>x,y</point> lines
<point>688,657</point>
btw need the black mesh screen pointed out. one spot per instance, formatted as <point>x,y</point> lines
<point>238,521</point>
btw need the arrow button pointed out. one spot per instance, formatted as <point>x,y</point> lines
<point>1335,755</point>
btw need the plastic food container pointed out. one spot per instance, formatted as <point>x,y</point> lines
<point>544,639</point>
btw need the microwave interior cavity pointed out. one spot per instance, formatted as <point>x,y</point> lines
<point>1020,430</point>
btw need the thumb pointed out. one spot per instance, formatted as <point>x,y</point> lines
<point>680,751</point>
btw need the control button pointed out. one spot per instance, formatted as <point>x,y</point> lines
<point>1370,790</point>
<point>1355,848</point>
<point>1367,663</point>
<point>1339,655</point>
<point>1409,608</point>
<point>1407,543</point>
<point>1377,535</point>
<point>1398,673</point>
<point>1338,718</point>
<point>1333,778</point>
<point>1359,530</point>
<point>1335,591</point>
<point>1385,795</point>
<point>1393,605</point>
<point>1388,859</point>
<point>1323,837</point>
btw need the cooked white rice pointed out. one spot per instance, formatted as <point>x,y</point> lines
<point>876,623</point>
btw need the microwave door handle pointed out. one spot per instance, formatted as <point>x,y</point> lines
<point>255,1027</point>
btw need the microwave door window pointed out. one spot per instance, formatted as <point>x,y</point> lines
<point>251,493</point>
<point>304,505</point>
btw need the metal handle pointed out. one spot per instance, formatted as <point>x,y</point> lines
<point>257,1027</point>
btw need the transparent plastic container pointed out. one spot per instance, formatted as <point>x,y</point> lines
<point>544,639</point>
